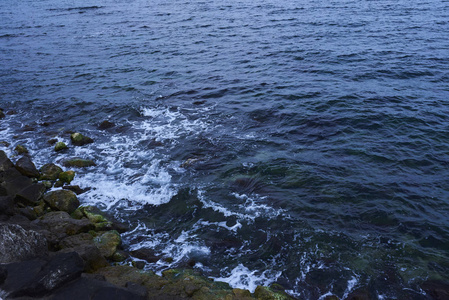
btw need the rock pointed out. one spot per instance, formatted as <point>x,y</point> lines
<point>437,289</point>
<point>31,194</point>
<point>50,172</point>
<point>79,163</point>
<point>76,189</point>
<point>62,268</point>
<point>26,167</point>
<point>60,146</point>
<point>241,294</point>
<point>84,245</point>
<point>64,200</point>
<point>120,256</point>
<point>18,244</point>
<point>6,205</point>
<point>67,176</point>
<point>21,149</point>
<point>58,183</point>
<point>5,163</point>
<point>359,294</point>
<point>137,288</point>
<point>52,141</point>
<point>12,182</point>
<point>266,293</point>
<point>139,264</point>
<point>108,242</point>
<point>105,125</point>
<point>97,217</point>
<point>2,114</point>
<point>80,140</point>
<point>145,254</point>
<point>61,224</point>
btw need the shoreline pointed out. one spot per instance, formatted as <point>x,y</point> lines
<point>70,251</point>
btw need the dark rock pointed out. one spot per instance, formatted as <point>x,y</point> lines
<point>20,275</point>
<point>6,205</point>
<point>145,254</point>
<point>266,293</point>
<point>80,140</point>
<point>79,163</point>
<point>3,275</point>
<point>64,200</point>
<point>4,143</point>
<point>67,176</point>
<point>5,163</point>
<point>58,184</point>
<point>437,289</point>
<point>359,294</point>
<point>108,242</point>
<point>116,293</point>
<point>76,189</point>
<point>52,141</point>
<point>17,244</point>
<point>21,149</point>
<point>106,125</point>
<point>26,167</point>
<point>61,224</point>
<point>81,288</point>
<point>137,289</point>
<point>91,255</point>
<point>120,256</point>
<point>31,194</point>
<point>60,146</point>
<point>2,114</point>
<point>28,212</point>
<point>50,172</point>
<point>61,269</point>
<point>139,264</point>
<point>13,182</point>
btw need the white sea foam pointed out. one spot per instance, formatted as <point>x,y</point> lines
<point>243,278</point>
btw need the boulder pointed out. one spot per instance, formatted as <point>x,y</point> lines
<point>108,242</point>
<point>6,205</point>
<point>26,167</point>
<point>42,276</point>
<point>31,194</point>
<point>60,146</point>
<point>67,176</point>
<point>64,200</point>
<point>76,189</point>
<point>105,125</point>
<point>21,149</point>
<point>18,244</point>
<point>79,163</point>
<point>50,172</point>
<point>5,163</point>
<point>80,140</point>
<point>60,223</point>
<point>12,182</point>
<point>145,254</point>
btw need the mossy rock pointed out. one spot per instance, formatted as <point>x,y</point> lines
<point>67,176</point>
<point>60,146</point>
<point>50,172</point>
<point>80,140</point>
<point>108,242</point>
<point>266,293</point>
<point>63,200</point>
<point>21,149</point>
<point>79,163</point>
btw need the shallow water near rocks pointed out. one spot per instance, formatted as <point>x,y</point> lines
<point>297,142</point>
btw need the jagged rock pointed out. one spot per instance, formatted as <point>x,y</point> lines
<point>60,146</point>
<point>64,200</point>
<point>26,167</point>
<point>50,172</point>
<point>17,244</point>
<point>21,149</point>
<point>6,205</point>
<point>80,140</point>
<point>67,176</point>
<point>61,224</point>
<point>79,163</point>
<point>84,245</point>
<point>31,194</point>
<point>5,163</point>
<point>42,276</point>
<point>13,182</point>
<point>108,242</point>
<point>105,125</point>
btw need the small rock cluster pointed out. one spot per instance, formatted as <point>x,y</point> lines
<point>53,248</point>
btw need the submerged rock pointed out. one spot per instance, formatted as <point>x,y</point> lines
<point>67,176</point>
<point>18,244</point>
<point>60,146</point>
<point>21,149</point>
<point>26,167</point>
<point>80,140</point>
<point>105,125</point>
<point>79,163</point>
<point>50,172</point>
<point>62,200</point>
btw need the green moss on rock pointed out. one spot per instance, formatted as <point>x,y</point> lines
<point>50,172</point>
<point>108,242</point>
<point>79,140</point>
<point>67,176</point>
<point>79,163</point>
<point>21,149</point>
<point>60,146</point>
<point>63,200</point>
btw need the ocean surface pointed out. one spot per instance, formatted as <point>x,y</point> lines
<point>304,143</point>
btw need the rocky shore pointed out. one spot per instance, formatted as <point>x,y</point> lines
<point>53,248</point>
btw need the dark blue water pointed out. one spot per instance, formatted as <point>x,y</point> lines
<point>298,142</point>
